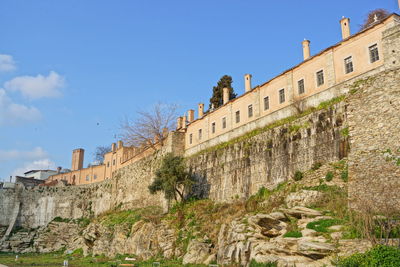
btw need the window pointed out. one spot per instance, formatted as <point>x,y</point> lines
<point>113,161</point>
<point>300,86</point>
<point>373,53</point>
<point>95,177</point>
<point>266,103</point>
<point>250,110</point>
<point>320,78</point>
<point>281,96</point>
<point>223,122</point>
<point>213,127</point>
<point>348,65</point>
<point>237,115</point>
<point>108,164</point>
<point>190,138</point>
<point>200,133</point>
<point>87,177</point>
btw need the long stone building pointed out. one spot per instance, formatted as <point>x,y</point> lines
<point>307,84</point>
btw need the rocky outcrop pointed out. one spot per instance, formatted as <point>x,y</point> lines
<point>143,239</point>
<point>261,237</point>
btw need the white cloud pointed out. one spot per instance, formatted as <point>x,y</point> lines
<point>15,154</point>
<point>7,63</point>
<point>12,113</point>
<point>34,87</point>
<point>41,164</point>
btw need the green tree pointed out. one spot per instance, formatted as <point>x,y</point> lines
<point>216,99</point>
<point>172,178</point>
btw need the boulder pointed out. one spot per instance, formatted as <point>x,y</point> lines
<point>300,212</point>
<point>303,198</point>
<point>197,252</point>
<point>315,250</point>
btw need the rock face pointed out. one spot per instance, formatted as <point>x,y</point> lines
<point>261,237</point>
<point>144,239</point>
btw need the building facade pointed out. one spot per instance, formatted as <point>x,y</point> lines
<point>355,55</point>
<point>305,85</point>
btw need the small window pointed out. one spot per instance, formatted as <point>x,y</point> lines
<point>223,122</point>
<point>213,127</point>
<point>200,134</point>
<point>87,177</point>
<point>113,161</point>
<point>373,53</point>
<point>300,85</point>
<point>237,116</point>
<point>281,96</point>
<point>95,177</point>
<point>348,65</point>
<point>190,138</point>
<point>108,164</point>
<point>266,103</point>
<point>320,78</point>
<point>250,110</point>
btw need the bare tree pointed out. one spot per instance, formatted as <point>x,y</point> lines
<point>298,104</point>
<point>374,16</point>
<point>100,152</point>
<point>149,127</point>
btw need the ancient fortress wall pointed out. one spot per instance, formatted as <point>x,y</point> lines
<point>240,168</point>
<point>127,190</point>
<point>374,123</point>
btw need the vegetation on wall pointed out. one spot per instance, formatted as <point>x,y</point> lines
<point>323,105</point>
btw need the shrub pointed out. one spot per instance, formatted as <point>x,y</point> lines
<point>298,175</point>
<point>59,219</point>
<point>329,176</point>
<point>382,256</point>
<point>295,234</point>
<point>345,175</point>
<point>316,166</point>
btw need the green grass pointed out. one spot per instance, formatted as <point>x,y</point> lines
<point>253,263</point>
<point>77,260</point>
<point>379,256</point>
<point>322,226</point>
<point>128,217</point>
<point>296,234</point>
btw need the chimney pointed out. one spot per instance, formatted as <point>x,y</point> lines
<point>113,147</point>
<point>165,132</point>
<point>120,144</point>
<point>190,115</point>
<point>184,122</point>
<point>247,82</point>
<point>345,25</point>
<point>225,96</point>
<point>179,123</point>
<point>306,49</point>
<point>201,109</point>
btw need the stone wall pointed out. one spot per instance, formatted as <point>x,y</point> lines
<point>239,169</point>
<point>126,190</point>
<point>374,127</point>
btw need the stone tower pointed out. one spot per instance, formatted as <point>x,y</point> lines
<point>77,159</point>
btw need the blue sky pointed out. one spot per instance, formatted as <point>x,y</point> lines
<point>70,71</point>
